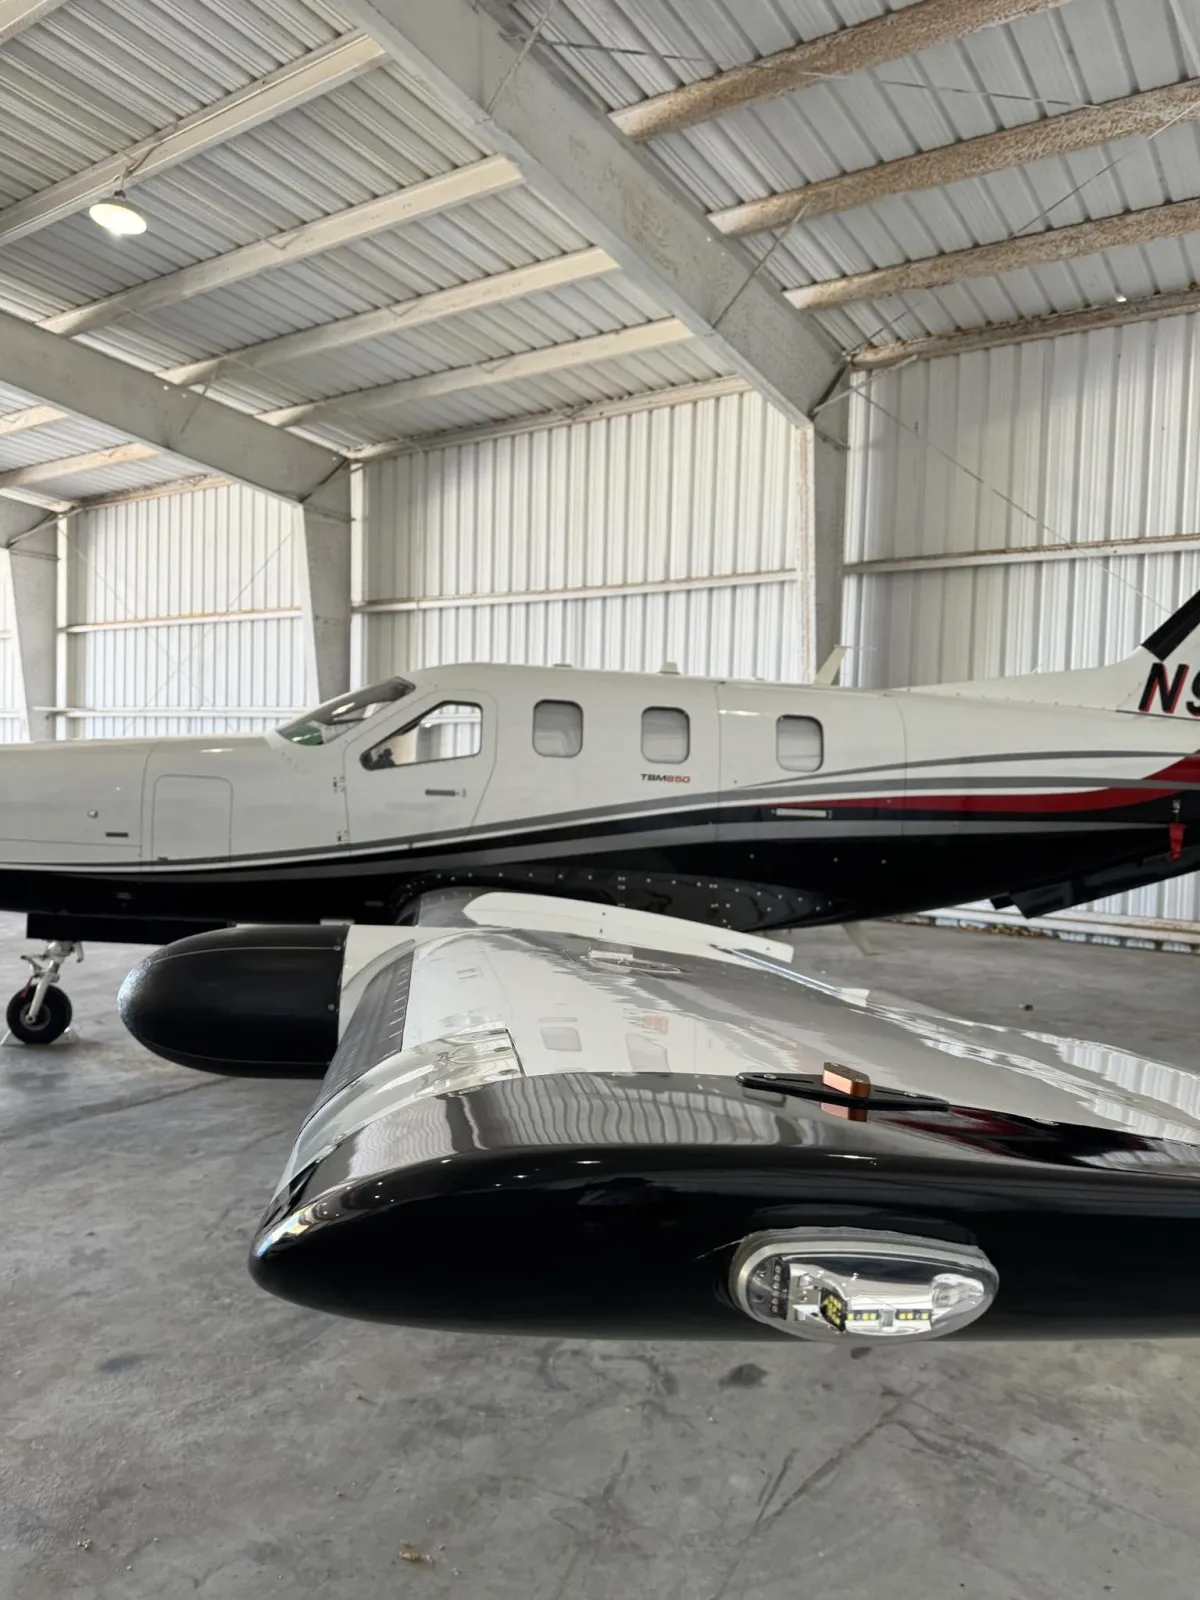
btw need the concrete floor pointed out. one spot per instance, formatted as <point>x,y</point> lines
<point>170,1431</point>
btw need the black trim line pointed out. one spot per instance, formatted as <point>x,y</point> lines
<point>1167,638</point>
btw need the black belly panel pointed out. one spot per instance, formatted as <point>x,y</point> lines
<point>752,884</point>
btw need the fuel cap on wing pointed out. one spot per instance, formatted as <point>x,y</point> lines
<point>858,1285</point>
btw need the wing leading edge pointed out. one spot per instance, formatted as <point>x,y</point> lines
<point>547,1120</point>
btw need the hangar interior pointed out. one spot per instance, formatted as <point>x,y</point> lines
<point>563,419</point>
<point>610,333</point>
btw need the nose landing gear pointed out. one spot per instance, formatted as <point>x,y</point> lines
<point>40,1012</point>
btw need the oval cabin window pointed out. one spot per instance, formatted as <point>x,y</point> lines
<point>666,734</point>
<point>557,728</point>
<point>799,744</point>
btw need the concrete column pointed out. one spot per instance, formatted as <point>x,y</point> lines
<point>359,577</point>
<point>326,584</point>
<point>821,456</point>
<point>68,675</point>
<point>29,569</point>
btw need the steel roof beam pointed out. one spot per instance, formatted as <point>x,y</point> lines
<point>485,374</point>
<point>68,466</point>
<point>972,158</point>
<point>474,433</point>
<point>17,15</point>
<point>289,86</point>
<point>34,497</point>
<point>421,199</point>
<point>1009,255</point>
<point>416,312</point>
<point>1141,113</point>
<point>413,313</point>
<point>30,417</point>
<point>91,384</point>
<point>868,44</point>
<point>874,358</point>
<point>573,156</point>
<point>678,394</point>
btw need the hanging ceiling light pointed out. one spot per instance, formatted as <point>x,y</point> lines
<point>115,215</point>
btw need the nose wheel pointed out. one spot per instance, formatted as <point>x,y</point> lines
<point>40,1012</point>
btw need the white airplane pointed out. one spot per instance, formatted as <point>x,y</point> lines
<point>549,1117</point>
<point>744,804</point>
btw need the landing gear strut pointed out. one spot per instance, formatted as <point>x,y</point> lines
<point>40,1012</point>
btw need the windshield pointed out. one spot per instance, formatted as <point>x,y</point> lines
<point>335,717</point>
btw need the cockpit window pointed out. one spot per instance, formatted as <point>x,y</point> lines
<point>445,733</point>
<point>335,717</point>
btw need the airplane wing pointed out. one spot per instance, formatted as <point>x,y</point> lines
<point>558,1118</point>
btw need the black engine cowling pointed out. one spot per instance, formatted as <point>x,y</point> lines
<point>251,1001</point>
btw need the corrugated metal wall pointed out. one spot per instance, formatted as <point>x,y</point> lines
<point>621,542</point>
<point>1014,455</point>
<point>183,615</point>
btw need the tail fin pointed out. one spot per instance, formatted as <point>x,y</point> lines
<point>1175,631</point>
<point>1157,678</point>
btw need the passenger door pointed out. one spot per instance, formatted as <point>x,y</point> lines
<point>192,818</point>
<point>423,776</point>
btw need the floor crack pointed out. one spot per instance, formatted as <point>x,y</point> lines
<point>66,1118</point>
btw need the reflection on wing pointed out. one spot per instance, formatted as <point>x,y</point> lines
<point>569,994</point>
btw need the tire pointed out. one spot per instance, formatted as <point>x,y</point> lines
<point>53,1019</point>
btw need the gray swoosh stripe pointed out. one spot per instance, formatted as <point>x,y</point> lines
<point>402,845</point>
<point>998,756</point>
<point>1008,786</point>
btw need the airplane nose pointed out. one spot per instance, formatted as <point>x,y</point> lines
<point>250,1002</point>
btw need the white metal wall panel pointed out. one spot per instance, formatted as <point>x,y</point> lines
<point>1020,454</point>
<point>952,623</point>
<point>183,615</point>
<point>1079,439</point>
<point>618,542</point>
<point>743,631</point>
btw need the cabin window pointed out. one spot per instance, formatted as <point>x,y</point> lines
<point>557,728</point>
<point>447,733</point>
<point>799,744</point>
<point>666,734</point>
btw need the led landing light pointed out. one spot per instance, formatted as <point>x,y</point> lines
<point>852,1284</point>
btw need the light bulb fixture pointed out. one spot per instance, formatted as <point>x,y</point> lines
<point>116,216</point>
<point>1121,299</point>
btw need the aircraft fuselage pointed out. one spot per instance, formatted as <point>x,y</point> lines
<point>750,805</point>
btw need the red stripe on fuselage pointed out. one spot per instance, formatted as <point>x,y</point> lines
<point>1178,774</point>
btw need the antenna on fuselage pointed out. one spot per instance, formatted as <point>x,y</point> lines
<point>832,665</point>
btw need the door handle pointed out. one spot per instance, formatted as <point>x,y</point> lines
<point>448,794</point>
